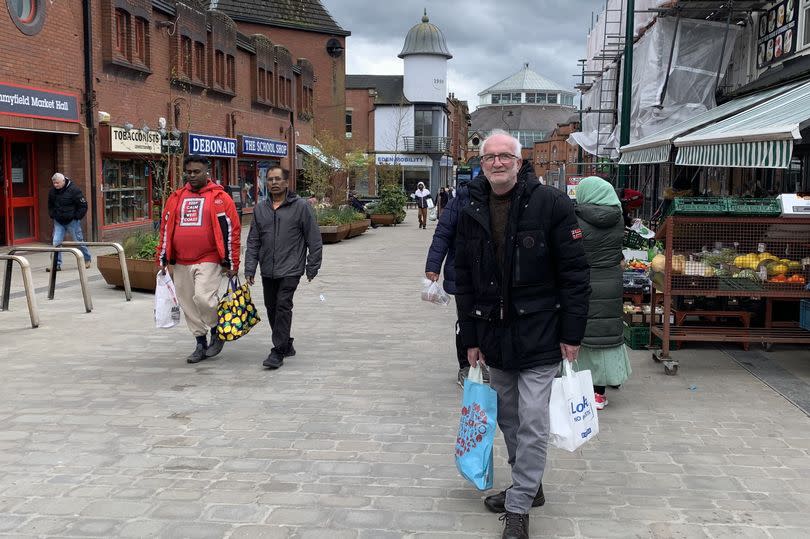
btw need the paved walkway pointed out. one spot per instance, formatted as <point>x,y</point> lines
<point>106,431</point>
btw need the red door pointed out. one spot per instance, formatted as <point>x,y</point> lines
<point>19,190</point>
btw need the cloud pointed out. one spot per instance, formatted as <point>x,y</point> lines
<point>489,39</point>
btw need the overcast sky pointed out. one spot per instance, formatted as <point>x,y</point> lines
<point>489,39</point>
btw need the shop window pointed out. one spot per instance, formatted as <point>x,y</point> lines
<point>552,99</point>
<point>126,190</point>
<point>186,56</point>
<point>199,61</point>
<point>28,15</point>
<point>140,40</point>
<point>219,170</point>
<point>496,98</point>
<point>122,32</point>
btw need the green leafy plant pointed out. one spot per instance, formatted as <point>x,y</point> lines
<point>142,245</point>
<point>392,201</point>
<point>337,216</point>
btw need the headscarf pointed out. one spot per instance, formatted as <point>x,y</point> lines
<point>595,190</point>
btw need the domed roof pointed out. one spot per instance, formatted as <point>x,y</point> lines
<point>425,38</point>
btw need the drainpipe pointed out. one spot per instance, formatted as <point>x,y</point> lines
<point>627,87</point>
<point>89,108</point>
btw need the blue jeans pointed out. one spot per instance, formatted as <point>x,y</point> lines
<point>74,228</point>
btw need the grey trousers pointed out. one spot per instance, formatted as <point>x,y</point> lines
<point>523,398</point>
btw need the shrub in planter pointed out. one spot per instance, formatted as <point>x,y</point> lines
<point>392,201</point>
<point>139,250</point>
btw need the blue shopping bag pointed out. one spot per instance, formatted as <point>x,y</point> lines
<point>476,431</point>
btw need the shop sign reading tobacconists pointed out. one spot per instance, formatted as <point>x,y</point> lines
<point>263,147</point>
<point>211,146</point>
<point>38,103</point>
<point>777,34</point>
<point>134,141</point>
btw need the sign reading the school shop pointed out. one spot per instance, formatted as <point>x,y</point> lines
<point>211,146</point>
<point>38,103</point>
<point>263,146</point>
<point>134,141</point>
<point>403,160</point>
<point>777,36</point>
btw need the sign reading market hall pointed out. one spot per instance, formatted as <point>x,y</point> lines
<point>38,103</point>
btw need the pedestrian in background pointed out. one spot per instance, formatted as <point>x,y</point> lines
<point>522,282</point>
<point>599,211</point>
<point>200,239</point>
<point>441,201</point>
<point>67,207</point>
<point>422,195</point>
<point>285,240</point>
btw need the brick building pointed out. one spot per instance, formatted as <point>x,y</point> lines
<point>555,153</point>
<point>242,84</point>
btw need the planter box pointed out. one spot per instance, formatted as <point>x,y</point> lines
<point>334,233</point>
<point>141,272</point>
<point>385,219</point>
<point>358,227</point>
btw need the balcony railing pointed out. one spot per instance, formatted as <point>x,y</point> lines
<point>426,144</point>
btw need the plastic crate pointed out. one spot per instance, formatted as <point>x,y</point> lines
<point>699,206</point>
<point>638,337</point>
<point>765,207</point>
<point>804,314</point>
<point>634,240</point>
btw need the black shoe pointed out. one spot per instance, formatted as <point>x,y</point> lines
<point>274,360</point>
<point>58,268</point>
<point>290,349</point>
<point>215,347</point>
<point>197,355</point>
<point>516,526</point>
<point>496,503</point>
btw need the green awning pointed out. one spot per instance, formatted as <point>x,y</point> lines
<point>653,154</point>
<point>759,137</point>
<point>762,154</point>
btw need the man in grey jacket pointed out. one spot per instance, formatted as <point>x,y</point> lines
<point>285,240</point>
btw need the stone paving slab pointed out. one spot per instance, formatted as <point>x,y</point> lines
<point>105,431</point>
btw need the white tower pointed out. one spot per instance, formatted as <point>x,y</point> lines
<point>425,55</point>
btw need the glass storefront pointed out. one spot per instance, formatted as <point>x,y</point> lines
<point>252,180</point>
<point>126,190</point>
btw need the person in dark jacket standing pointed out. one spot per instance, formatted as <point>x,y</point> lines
<point>200,237</point>
<point>599,211</point>
<point>285,240</point>
<point>441,201</point>
<point>522,282</point>
<point>67,207</point>
<point>443,250</point>
<point>422,196</point>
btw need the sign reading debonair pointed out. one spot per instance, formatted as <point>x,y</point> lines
<point>134,141</point>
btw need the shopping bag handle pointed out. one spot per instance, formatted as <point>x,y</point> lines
<point>476,375</point>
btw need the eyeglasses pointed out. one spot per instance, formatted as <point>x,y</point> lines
<point>193,172</point>
<point>504,158</point>
<point>275,179</point>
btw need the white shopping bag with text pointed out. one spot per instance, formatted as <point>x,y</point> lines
<point>167,308</point>
<point>572,410</point>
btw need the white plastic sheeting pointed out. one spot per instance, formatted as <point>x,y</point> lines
<point>589,137</point>
<point>690,86</point>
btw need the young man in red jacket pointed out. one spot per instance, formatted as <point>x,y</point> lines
<point>200,237</point>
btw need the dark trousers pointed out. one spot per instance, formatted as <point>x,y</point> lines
<point>461,352</point>
<point>278,299</point>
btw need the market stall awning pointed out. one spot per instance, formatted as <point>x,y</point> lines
<point>655,148</point>
<point>759,137</point>
<point>315,152</point>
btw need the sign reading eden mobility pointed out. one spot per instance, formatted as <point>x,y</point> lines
<point>403,160</point>
<point>134,141</point>
<point>38,103</point>
<point>263,146</point>
<point>211,146</point>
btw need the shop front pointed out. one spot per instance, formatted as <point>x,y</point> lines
<point>414,168</point>
<point>221,151</point>
<point>32,123</point>
<point>130,159</point>
<point>256,157</point>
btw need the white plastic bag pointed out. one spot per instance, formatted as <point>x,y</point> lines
<point>433,292</point>
<point>167,308</point>
<point>572,410</point>
<point>432,215</point>
<point>430,203</point>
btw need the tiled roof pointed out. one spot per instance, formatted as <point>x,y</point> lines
<point>525,79</point>
<point>388,87</point>
<point>302,14</point>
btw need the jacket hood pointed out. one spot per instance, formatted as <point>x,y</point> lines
<point>210,186</point>
<point>599,216</point>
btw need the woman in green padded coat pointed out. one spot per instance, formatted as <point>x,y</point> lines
<point>603,353</point>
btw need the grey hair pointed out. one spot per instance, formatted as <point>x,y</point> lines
<point>59,177</point>
<point>495,132</point>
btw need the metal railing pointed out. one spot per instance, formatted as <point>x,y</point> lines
<point>88,303</point>
<point>426,144</point>
<point>28,284</point>
<point>122,260</point>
